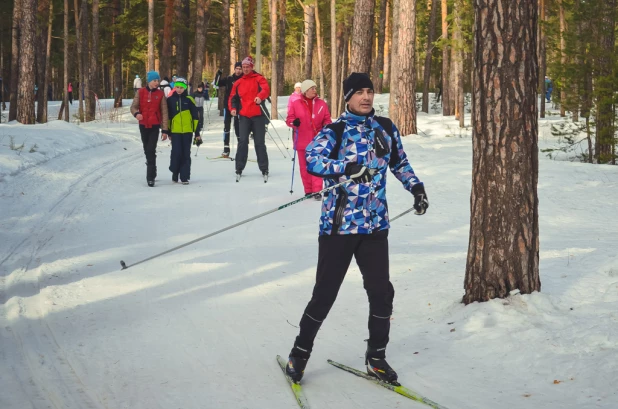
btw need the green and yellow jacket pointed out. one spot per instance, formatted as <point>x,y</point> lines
<point>183,115</point>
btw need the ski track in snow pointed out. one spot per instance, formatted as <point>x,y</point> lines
<point>200,327</point>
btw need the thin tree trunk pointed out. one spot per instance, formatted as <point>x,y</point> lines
<point>225,46</point>
<point>378,71</point>
<point>65,94</point>
<point>233,36</point>
<point>41,45</point>
<point>200,41</point>
<point>151,54</point>
<point>362,37</point>
<point>281,48</point>
<point>503,252</point>
<point>27,58</point>
<point>242,37</point>
<point>563,59</point>
<point>309,34</point>
<point>428,55</point>
<point>344,66</point>
<point>318,27</point>
<point>459,61</point>
<point>166,48</point>
<point>46,82</point>
<point>274,25</point>
<point>395,61</point>
<point>542,55</point>
<point>17,12</point>
<point>406,71</point>
<point>387,49</point>
<point>118,84</point>
<point>446,97</point>
<point>80,61</point>
<point>93,80</point>
<point>258,38</point>
<point>333,58</point>
<point>248,26</point>
<point>180,37</point>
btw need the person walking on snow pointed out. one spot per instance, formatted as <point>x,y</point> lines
<point>549,87</point>
<point>307,115</point>
<point>245,98</point>
<point>359,146</point>
<point>228,83</point>
<point>137,83</point>
<point>165,87</point>
<point>70,93</point>
<point>184,121</point>
<point>200,96</point>
<point>296,95</point>
<point>149,107</point>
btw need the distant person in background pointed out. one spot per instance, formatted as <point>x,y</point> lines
<point>137,83</point>
<point>173,83</point>
<point>296,95</point>
<point>165,87</point>
<point>228,83</point>
<point>549,87</point>
<point>199,96</point>
<point>70,93</point>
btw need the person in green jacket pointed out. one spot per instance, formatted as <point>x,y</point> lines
<point>183,122</point>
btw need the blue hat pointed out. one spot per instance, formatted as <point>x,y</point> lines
<point>137,76</point>
<point>152,75</point>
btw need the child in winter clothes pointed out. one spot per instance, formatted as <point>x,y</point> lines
<point>184,121</point>
<point>307,115</point>
<point>200,95</point>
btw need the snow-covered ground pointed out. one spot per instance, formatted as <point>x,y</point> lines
<point>200,327</point>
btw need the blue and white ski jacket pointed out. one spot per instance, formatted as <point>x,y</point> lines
<point>357,208</point>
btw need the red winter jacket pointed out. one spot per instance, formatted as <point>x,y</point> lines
<point>247,88</point>
<point>313,115</point>
<point>152,104</point>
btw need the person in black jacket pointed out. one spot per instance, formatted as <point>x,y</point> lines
<point>228,83</point>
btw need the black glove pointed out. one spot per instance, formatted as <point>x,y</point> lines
<point>165,131</point>
<point>359,173</point>
<point>296,122</point>
<point>197,140</point>
<point>421,203</point>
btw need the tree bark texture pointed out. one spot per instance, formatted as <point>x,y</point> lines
<point>378,71</point>
<point>394,65</point>
<point>17,9</point>
<point>503,252</point>
<point>166,48</point>
<point>446,98</point>
<point>281,48</point>
<point>406,70</point>
<point>151,53</point>
<point>41,46</point>
<point>180,38</point>
<point>242,37</point>
<point>27,75</point>
<point>563,58</point>
<point>65,95</point>
<point>248,26</point>
<point>542,55</point>
<point>362,36</point>
<point>225,45</point>
<point>428,55</point>
<point>82,46</point>
<point>93,81</point>
<point>309,35</point>
<point>459,63</point>
<point>47,80</point>
<point>200,41</point>
<point>274,25</point>
<point>118,85</point>
<point>334,84</point>
<point>318,27</point>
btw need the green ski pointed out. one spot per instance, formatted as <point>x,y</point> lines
<point>402,390</point>
<point>297,389</point>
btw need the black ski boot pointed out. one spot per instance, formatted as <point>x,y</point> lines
<point>297,361</point>
<point>151,183</point>
<point>378,367</point>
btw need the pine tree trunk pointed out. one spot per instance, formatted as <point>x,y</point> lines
<point>281,48</point>
<point>604,83</point>
<point>151,53</point>
<point>65,94</point>
<point>17,9</point>
<point>309,34</point>
<point>344,66</point>
<point>274,25</point>
<point>200,41</point>
<point>41,46</point>
<point>47,80</point>
<point>180,37</point>
<point>118,84</point>
<point>333,59</point>
<point>318,27</point>
<point>446,97</point>
<point>542,55</point>
<point>27,75</point>
<point>387,49</point>
<point>225,55</point>
<point>77,88</point>
<point>459,62</point>
<point>248,26</point>
<point>258,37</point>
<point>93,80</point>
<point>242,37</point>
<point>428,55</point>
<point>378,71</point>
<point>233,35</point>
<point>503,252</point>
<point>393,101</point>
<point>165,65</point>
<point>406,71</point>
<point>563,58</point>
<point>362,36</point>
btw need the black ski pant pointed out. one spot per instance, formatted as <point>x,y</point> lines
<point>334,256</point>
<point>180,160</point>
<point>255,125</point>
<point>150,136</point>
<point>227,122</point>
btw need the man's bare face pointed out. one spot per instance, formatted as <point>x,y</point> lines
<point>361,101</point>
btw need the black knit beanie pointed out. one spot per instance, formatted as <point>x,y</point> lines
<point>238,64</point>
<point>356,81</point>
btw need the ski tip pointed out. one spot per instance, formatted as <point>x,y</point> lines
<point>123,265</point>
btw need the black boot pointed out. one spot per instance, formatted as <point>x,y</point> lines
<point>378,367</point>
<point>297,361</point>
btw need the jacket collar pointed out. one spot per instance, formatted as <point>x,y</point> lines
<point>355,120</point>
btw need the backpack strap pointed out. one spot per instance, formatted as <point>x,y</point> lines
<point>337,128</point>
<point>387,124</point>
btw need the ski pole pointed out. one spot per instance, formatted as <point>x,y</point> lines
<point>198,148</point>
<point>292,203</point>
<point>276,144</point>
<point>294,163</point>
<point>273,125</point>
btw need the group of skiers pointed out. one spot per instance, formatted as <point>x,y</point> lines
<point>349,158</point>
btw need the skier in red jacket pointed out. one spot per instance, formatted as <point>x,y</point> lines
<point>246,96</point>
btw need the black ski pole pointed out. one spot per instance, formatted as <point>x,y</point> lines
<point>292,203</point>
<point>273,125</point>
<point>276,144</point>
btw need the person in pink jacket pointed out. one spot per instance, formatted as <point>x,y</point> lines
<point>307,116</point>
<point>295,95</point>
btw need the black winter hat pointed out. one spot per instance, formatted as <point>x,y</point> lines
<point>238,64</point>
<point>356,81</point>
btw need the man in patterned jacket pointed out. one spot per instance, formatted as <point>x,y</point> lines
<point>358,147</point>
